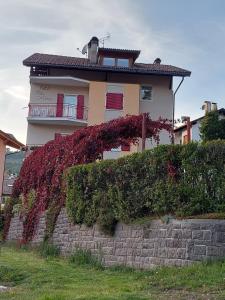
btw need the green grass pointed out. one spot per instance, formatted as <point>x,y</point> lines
<point>32,277</point>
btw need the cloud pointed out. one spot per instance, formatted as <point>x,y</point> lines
<point>176,33</point>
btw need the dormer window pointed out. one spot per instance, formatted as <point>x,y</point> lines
<point>120,58</point>
<point>114,61</point>
<point>109,61</point>
<point>123,62</point>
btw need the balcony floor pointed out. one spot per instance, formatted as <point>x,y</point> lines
<point>56,121</point>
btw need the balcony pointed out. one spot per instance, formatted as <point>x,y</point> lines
<point>51,114</point>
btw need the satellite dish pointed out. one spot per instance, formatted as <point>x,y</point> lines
<point>84,50</point>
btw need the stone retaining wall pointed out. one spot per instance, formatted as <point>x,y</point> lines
<point>143,246</point>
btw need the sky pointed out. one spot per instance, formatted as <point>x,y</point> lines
<point>188,34</point>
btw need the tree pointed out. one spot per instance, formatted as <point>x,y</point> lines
<point>212,128</point>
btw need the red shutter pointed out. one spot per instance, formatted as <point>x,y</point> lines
<point>114,101</point>
<point>125,147</point>
<point>80,107</point>
<point>59,108</point>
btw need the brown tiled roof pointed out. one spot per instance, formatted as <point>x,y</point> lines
<point>60,61</point>
<point>10,140</point>
<point>130,52</point>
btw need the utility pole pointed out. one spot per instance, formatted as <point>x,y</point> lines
<point>143,131</point>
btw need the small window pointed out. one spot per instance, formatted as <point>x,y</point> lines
<point>123,62</point>
<point>116,149</point>
<point>114,101</point>
<point>146,93</point>
<point>109,61</point>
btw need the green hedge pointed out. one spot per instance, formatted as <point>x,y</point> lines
<point>182,180</point>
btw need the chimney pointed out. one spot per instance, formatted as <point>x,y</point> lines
<point>214,106</point>
<point>157,61</point>
<point>206,107</point>
<point>93,50</point>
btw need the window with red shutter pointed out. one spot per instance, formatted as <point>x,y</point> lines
<point>80,107</point>
<point>114,101</point>
<point>59,108</point>
<point>125,147</point>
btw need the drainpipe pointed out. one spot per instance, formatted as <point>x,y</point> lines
<point>174,105</point>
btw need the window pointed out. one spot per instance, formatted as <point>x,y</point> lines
<point>116,149</point>
<point>114,101</point>
<point>109,61</point>
<point>123,62</point>
<point>146,93</point>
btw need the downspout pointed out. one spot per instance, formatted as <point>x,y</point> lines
<point>174,104</point>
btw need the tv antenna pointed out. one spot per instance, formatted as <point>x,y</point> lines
<point>84,50</point>
<point>105,38</point>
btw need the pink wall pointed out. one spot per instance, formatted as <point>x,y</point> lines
<point>2,163</point>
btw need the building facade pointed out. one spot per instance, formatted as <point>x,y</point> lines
<point>68,93</point>
<point>180,133</point>
<point>6,139</point>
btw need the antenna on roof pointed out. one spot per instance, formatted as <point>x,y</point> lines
<point>105,38</point>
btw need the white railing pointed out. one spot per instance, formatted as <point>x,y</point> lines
<point>52,111</point>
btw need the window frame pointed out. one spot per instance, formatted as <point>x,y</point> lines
<point>146,86</point>
<point>108,57</point>
<point>116,61</point>
<point>122,58</point>
<point>118,92</point>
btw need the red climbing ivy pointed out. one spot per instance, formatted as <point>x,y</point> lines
<point>42,170</point>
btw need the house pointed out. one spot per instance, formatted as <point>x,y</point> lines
<point>180,133</point>
<point>6,139</point>
<point>68,93</point>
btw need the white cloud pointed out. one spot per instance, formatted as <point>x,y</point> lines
<point>59,27</point>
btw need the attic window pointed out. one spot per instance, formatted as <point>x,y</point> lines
<point>109,61</point>
<point>123,62</point>
<point>114,61</point>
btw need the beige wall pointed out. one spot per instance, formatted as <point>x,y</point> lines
<point>48,93</point>
<point>161,105</point>
<point>96,108</point>
<point>95,96</point>
<point>41,134</point>
<point>2,164</point>
<point>131,99</point>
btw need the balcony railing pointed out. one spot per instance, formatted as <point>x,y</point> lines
<point>48,111</point>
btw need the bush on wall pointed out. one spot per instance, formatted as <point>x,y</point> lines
<point>182,180</point>
<point>40,179</point>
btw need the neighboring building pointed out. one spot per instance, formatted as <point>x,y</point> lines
<point>68,93</point>
<point>181,131</point>
<point>6,139</point>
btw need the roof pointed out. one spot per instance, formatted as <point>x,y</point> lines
<point>60,61</point>
<point>10,140</point>
<point>127,52</point>
<point>220,111</point>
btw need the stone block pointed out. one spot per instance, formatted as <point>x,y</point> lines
<point>199,250</point>
<point>177,233</point>
<point>197,234</point>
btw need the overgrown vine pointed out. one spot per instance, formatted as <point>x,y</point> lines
<point>42,171</point>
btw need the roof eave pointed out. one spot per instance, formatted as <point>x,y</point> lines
<point>93,68</point>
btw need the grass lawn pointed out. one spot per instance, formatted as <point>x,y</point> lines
<point>34,278</point>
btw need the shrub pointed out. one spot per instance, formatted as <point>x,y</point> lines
<point>47,250</point>
<point>85,258</point>
<point>40,179</point>
<point>212,127</point>
<point>182,180</point>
